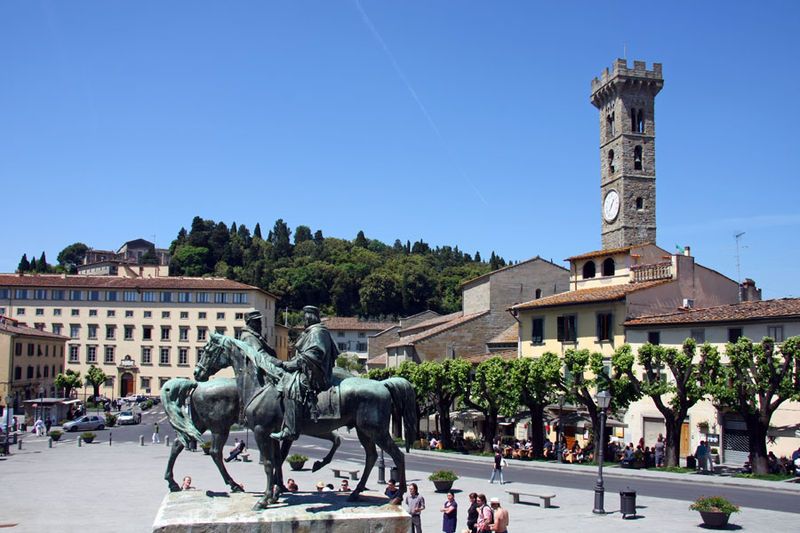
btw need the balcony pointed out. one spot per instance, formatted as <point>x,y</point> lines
<point>651,272</point>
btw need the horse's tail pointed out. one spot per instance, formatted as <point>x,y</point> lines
<point>176,398</point>
<point>405,400</point>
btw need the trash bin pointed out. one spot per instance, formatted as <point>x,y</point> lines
<point>393,473</point>
<point>627,502</point>
<point>691,462</point>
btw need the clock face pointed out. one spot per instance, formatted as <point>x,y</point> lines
<point>611,206</point>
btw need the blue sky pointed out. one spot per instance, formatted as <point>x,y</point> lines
<point>463,123</point>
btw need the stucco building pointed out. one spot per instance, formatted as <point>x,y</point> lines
<point>351,334</point>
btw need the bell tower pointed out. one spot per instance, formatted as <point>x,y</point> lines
<point>625,98</point>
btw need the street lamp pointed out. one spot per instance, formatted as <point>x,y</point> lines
<point>41,402</point>
<point>559,451</point>
<point>9,402</point>
<point>603,401</point>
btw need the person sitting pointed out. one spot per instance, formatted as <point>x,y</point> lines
<point>433,444</point>
<point>392,490</point>
<point>548,449</point>
<point>238,447</point>
<point>345,486</point>
<point>291,486</point>
<point>187,483</point>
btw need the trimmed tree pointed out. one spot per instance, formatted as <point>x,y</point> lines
<point>672,397</point>
<point>67,381</point>
<point>443,382</point>
<point>756,381</point>
<point>534,381</point>
<point>488,391</point>
<point>95,377</point>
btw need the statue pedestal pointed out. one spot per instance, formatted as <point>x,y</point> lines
<point>329,512</point>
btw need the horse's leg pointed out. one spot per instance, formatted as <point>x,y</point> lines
<point>335,441</point>
<point>177,448</point>
<point>218,440</point>
<point>267,449</point>
<point>385,441</point>
<point>371,456</point>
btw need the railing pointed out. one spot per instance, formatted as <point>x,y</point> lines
<point>651,272</point>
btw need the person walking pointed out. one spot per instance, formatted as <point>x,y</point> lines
<point>415,504</point>
<point>498,466</point>
<point>658,450</point>
<point>156,438</point>
<point>500,524</point>
<point>701,454</point>
<point>472,512</point>
<point>449,514</point>
<point>485,515</point>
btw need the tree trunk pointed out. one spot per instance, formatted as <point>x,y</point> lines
<point>489,430</point>
<point>536,429</point>
<point>757,438</point>
<point>672,442</point>
<point>443,408</point>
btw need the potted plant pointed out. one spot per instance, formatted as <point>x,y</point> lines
<point>715,455</point>
<point>206,447</point>
<point>111,420</point>
<point>443,480</point>
<point>702,426</point>
<point>714,510</point>
<point>88,436</point>
<point>56,434</point>
<point>296,461</point>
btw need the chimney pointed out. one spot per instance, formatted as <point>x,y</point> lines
<point>748,292</point>
<point>687,251</point>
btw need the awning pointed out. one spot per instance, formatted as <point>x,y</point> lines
<point>469,414</point>
<point>582,420</point>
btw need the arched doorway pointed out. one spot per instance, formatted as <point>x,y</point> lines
<point>126,384</point>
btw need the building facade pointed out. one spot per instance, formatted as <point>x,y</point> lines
<point>139,331</point>
<point>351,334</point>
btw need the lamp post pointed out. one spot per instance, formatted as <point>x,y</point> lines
<point>381,469</point>
<point>559,451</point>
<point>9,401</point>
<point>603,401</point>
<point>41,402</point>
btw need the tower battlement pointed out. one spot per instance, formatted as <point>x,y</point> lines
<point>620,73</point>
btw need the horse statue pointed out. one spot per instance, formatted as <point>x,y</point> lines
<point>365,405</point>
<point>194,407</point>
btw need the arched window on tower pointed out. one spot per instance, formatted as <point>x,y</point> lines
<point>640,203</point>
<point>538,294</point>
<point>640,121</point>
<point>608,267</point>
<point>633,120</point>
<point>611,161</point>
<point>589,270</point>
<point>637,157</point>
<point>610,125</point>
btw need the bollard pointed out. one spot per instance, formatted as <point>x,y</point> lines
<point>141,440</point>
<point>80,441</point>
<point>109,438</point>
<point>166,441</point>
<point>19,444</point>
<point>50,442</point>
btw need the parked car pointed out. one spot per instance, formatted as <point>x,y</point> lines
<point>85,423</point>
<point>128,417</point>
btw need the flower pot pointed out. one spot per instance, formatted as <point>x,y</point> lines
<point>297,465</point>
<point>88,440</point>
<point>55,436</point>
<point>443,486</point>
<point>714,519</point>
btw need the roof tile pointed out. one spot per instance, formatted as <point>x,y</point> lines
<point>353,323</point>
<point>410,340</point>
<point>765,309</point>
<point>594,294</point>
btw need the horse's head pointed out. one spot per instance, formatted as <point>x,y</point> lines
<point>213,358</point>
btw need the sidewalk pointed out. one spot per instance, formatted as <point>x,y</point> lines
<point>99,488</point>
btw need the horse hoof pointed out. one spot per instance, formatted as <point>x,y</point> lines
<point>260,505</point>
<point>317,466</point>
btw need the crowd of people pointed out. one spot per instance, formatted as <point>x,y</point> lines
<point>483,515</point>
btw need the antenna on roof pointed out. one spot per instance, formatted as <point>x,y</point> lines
<point>738,237</point>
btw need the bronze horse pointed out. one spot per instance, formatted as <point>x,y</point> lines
<point>366,405</point>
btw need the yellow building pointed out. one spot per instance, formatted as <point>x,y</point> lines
<point>139,331</point>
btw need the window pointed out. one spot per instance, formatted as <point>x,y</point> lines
<point>39,294</point>
<point>93,296</point>
<point>734,334</point>
<point>637,157</point>
<point>148,296</point>
<point>567,328</point>
<point>92,328</point>
<point>611,161</point>
<point>699,335</point>
<point>608,267</point>
<point>775,332</point>
<point>203,298</point>
<point>147,355</point>
<point>162,382</point>
<point>220,316</point>
<point>637,120</point>
<point>164,314</point>
<point>605,326</point>
<point>111,332</point>
<point>74,353</point>
<point>128,314</point>
<point>3,294</point>
<point>57,294</point>
<point>21,294</point>
<point>39,311</point>
<point>18,348</point>
<point>38,371</point>
<point>240,298</point>
<point>56,312</point>
<point>17,373</point>
<point>147,333</point>
<point>198,354</point>
<point>202,333</point>
<point>201,315</point>
<point>183,333</point>
<point>654,337</point>
<point>340,333</point>
<point>537,330</point>
<point>184,297</point>
<point>163,358</point>
<point>57,329</point>
<point>111,313</point>
<point>29,373</point>
<point>219,297</point>
<point>184,314</point>
<point>39,350</point>
<point>109,355</point>
<point>361,335</point>
<point>74,331</point>
<point>537,294</point>
<point>128,333</point>
<point>639,203</point>
<point>239,316</point>
<point>220,330</point>
<point>148,314</point>
<point>75,295</point>
<point>183,356</point>
<point>237,333</point>
<point>164,333</point>
<point>166,297</point>
<point>589,270</point>
<point>610,125</point>
<point>130,296</point>
<point>91,354</point>
<point>361,346</point>
<point>46,371</point>
<point>109,382</point>
<point>20,311</point>
<point>111,296</point>
<point>92,312</point>
<point>342,346</point>
<point>144,383</point>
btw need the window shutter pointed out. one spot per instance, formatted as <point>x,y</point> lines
<point>560,327</point>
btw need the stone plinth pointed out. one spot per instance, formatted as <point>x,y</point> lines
<point>302,512</point>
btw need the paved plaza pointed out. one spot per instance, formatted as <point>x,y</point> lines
<point>119,488</point>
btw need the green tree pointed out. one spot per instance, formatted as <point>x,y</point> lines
<point>149,257</point>
<point>257,231</point>
<point>361,240</point>
<point>302,234</point>
<point>279,236</point>
<point>443,382</point>
<point>24,264</point>
<point>95,377</point>
<point>189,260</point>
<point>379,374</point>
<point>379,295</point>
<point>534,383</point>
<point>67,381</point>
<point>488,391</point>
<point>350,362</point>
<point>42,266</point>
<point>673,393</point>
<point>757,380</point>
<point>73,255</point>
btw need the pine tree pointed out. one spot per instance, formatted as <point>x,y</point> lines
<point>478,257</point>
<point>257,231</point>
<point>43,267</point>
<point>33,266</point>
<point>24,265</point>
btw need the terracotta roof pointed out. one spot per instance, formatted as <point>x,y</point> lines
<point>537,258</point>
<point>508,355</point>
<point>594,294</point>
<point>353,323</point>
<point>381,359</point>
<point>113,282</point>
<point>385,331</point>
<point>431,322</point>
<point>510,334</point>
<point>12,328</point>
<point>766,309</point>
<point>428,333</point>
<point>610,251</point>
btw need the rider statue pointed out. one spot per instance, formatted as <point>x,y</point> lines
<point>312,366</point>
<point>251,334</point>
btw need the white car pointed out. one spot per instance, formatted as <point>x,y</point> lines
<point>128,417</point>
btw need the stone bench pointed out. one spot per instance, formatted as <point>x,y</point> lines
<point>337,472</point>
<point>545,497</point>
